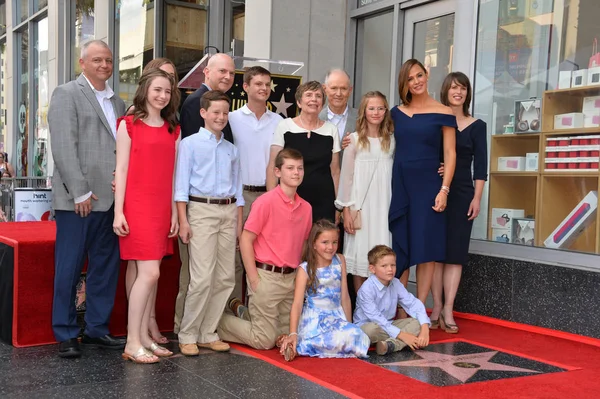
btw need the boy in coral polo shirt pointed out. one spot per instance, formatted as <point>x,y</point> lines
<point>271,247</point>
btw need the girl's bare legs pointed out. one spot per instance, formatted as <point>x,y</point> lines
<point>130,276</point>
<point>424,279</point>
<point>437,287</point>
<point>358,281</point>
<point>139,309</point>
<point>153,326</point>
<point>452,274</point>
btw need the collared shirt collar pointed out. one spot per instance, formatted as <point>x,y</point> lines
<point>106,93</point>
<point>246,110</point>
<point>207,134</point>
<point>331,114</point>
<point>379,284</point>
<point>207,86</point>
<point>285,198</point>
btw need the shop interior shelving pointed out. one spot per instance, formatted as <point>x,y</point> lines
<point>547,195</point>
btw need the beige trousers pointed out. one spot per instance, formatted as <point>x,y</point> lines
<point>249,198</point>
<point>269,310</point>
<point>212,270</point>
<point>377,333</point>
<point>184,282</point>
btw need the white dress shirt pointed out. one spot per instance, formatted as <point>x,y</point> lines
<point>253,138</point>
<point>103,98</point>
<point>338,120</point>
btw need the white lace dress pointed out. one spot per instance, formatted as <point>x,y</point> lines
<point>358,165</point>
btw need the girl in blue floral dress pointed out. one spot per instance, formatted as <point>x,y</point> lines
<point>319,325</point>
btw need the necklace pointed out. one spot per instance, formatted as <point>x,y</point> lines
<point>308,130</point>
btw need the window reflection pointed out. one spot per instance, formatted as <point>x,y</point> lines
<point>3,110</point>
<point>136,43</point>
<point>376,59</point>
<point>2,17</point>
<point>82,30</point>
<point>22,104</point>
<point>41,137</point>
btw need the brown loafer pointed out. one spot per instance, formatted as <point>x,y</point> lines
<point>217,346</point>
<point>189,349</point>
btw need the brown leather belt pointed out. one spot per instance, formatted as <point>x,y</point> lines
<point>275,269</point>
<point>256,189</point>
<point>214,201</point>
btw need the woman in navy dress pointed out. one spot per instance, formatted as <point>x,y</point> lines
<point>463,202</point>
<point>423,129</point>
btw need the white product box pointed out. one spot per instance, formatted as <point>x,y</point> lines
<point>590,104</point>
<point>593,76</point>
<point>575,223</point>
<point>591,118</point>
<point>523,231</point>
<point>502,235</point>
<point>571,120</point>
<point>564,79</point>
<point>511,164</point>
<point>502,217</point>
<point>579,78</point>
<point>531,161</point>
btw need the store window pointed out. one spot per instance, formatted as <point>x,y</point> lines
<point>42,97</point>
<point>2,17</point>
<point>3,87</point>
<point>134,22</point>
<point>22,121</point>
<point>22,10</point>
<point>537,85</point>
<point>39,5</point>
<point>82,30</point>
<point>185,33</point>
<point>374,57</point>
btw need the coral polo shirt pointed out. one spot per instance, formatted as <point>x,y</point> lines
<point>281,227</point>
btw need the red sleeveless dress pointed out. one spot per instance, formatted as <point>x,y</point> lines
<point>149,191</point>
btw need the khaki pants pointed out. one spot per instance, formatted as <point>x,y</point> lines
<point>212,270</point>
<point>269,310</point>
<point>249,198</point>
<point>184,282</point>
<point>377,333</point>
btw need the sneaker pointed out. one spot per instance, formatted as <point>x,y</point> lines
<point>217,346</point>
<point>385,347</point>
<point>237,307</point>
<point>189,349</point>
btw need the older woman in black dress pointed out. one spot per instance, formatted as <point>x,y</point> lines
<point>319,143</point>
<point>464,199</point>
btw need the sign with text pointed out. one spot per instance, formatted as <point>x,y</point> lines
<point>32,205</point>
<point>362,3</point>
<point>282,99</point>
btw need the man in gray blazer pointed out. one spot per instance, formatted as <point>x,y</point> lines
<point>338,89</point>
<point>83,120</point>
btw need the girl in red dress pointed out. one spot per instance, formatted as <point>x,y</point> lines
<point>145,215</point>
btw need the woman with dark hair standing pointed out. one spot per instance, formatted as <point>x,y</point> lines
<point>423,128</point>
<point>463,202</point>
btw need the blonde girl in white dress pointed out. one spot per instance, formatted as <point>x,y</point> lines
<point>366,184</point>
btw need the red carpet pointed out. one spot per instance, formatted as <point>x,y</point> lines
<point>33,244</point>
<point>360,379</point>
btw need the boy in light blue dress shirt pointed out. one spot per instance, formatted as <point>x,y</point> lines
<point>376,304</point>
<point>208,177</point>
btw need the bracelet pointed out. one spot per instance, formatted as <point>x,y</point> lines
<point>290,334</point>
<point>445,190</point>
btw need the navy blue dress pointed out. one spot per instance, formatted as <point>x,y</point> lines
<point>418,232</point>
<point>471,148</point>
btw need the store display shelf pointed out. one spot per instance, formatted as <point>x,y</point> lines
<point>503,173</point>
<point>569,173</point>
<point>580,91</point>
<point>515,135</point>
<point>568,132</point>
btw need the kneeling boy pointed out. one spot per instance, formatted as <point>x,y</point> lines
<point>377,302</point>
<point>271,245</point>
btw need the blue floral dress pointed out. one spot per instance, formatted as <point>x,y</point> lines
<point>323,330</point>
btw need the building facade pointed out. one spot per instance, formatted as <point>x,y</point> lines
<point>534,69</point>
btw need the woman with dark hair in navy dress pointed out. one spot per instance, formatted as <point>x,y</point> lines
<point>463,202</point>
<point>423,129</point>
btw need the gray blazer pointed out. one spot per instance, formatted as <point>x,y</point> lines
<point>350,122</point>
<point>83,146</point>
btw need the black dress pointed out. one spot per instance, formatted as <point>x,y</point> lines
<point>471,148</point>
<point>317,186</point>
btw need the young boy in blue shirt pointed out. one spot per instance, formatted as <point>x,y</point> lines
<point>208,177</point>
<point>376,304</point>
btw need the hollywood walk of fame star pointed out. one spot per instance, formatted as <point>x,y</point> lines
<point>273,86</point>
<point>461,367</point>
<point>281,106</point>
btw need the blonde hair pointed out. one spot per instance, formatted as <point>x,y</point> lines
<point>386,128</point>
<point>378,252</point>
